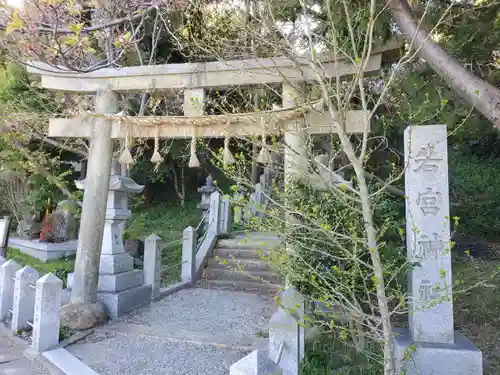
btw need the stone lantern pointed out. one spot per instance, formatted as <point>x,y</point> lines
<point>120,286</point>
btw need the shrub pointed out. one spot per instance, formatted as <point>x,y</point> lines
<point>475,195</point>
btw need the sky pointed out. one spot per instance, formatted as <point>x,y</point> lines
<point>14,3</point>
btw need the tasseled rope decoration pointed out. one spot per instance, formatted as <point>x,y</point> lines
<point>193,159</point>
<point>228,157</point>
<point>264,155</point>
<point>126,157</point>
<point>157,159</point>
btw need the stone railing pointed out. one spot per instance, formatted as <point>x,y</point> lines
<point>256,204</point>
<point>31,301</point>
<point>194,251</point>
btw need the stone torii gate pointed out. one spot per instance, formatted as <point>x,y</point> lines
<point>104,126</point>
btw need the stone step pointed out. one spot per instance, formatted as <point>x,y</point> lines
<point>237,253</point>
<point>257,236</point>
<point>244,243</point>
<point>238,264</point>
<point>232,275</point>
<point>242,286</point>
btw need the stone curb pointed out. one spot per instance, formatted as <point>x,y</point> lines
<point>67,363</point>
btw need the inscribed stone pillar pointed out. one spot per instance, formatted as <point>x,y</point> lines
<point>430,346</point>
<point>84,289</point>
<point>428,233</point>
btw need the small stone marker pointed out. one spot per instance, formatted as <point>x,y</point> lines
<point>286,335</point>
<point>152,263</point>
<point>188,273</point>
<point>256,363</point>
<point>46,321</point>
<point>7,274</point>
<point>430,346</point>
<point>24,298</point>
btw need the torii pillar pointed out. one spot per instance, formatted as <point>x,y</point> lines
<point>84,305</point>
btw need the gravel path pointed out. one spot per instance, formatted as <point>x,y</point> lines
<point>192,332</point>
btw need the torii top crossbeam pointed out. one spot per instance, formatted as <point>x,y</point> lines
<point>198,75</point>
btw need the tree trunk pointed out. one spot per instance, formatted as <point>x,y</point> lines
<point>88,254</point>
<point>475,91</point>
<point>179,185</point>
<point>255,165</point>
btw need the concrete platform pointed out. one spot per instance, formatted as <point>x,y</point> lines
<point>43,250</point>
<point>193,331</point>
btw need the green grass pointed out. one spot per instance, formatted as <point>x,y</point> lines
<point>59,267</point>
<point>330,356</point>
<point>477,307</point>
<point>167,221</point>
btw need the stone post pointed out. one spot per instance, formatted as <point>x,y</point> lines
<point>46,321</point>
<point>4,234</point>
<point>430,346</point>
<point>152,263</point>
<point>206,191</point>
<point>24,298</point>
<point>7,282</point>
<point>84,289</point>
<point>256,200</point>
<point>286,333</point>
<point>214,214</point>
<point>226,217</point>
<point>188,273</point>
<point>238,196</point>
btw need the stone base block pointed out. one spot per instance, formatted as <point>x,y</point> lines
<point>422,358</point>
<point>120,281</point>
<point>117,282</point>
<point>116,263</point>
<point>43,250</point>
<point>256,363</point>
<point>122,302</point>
